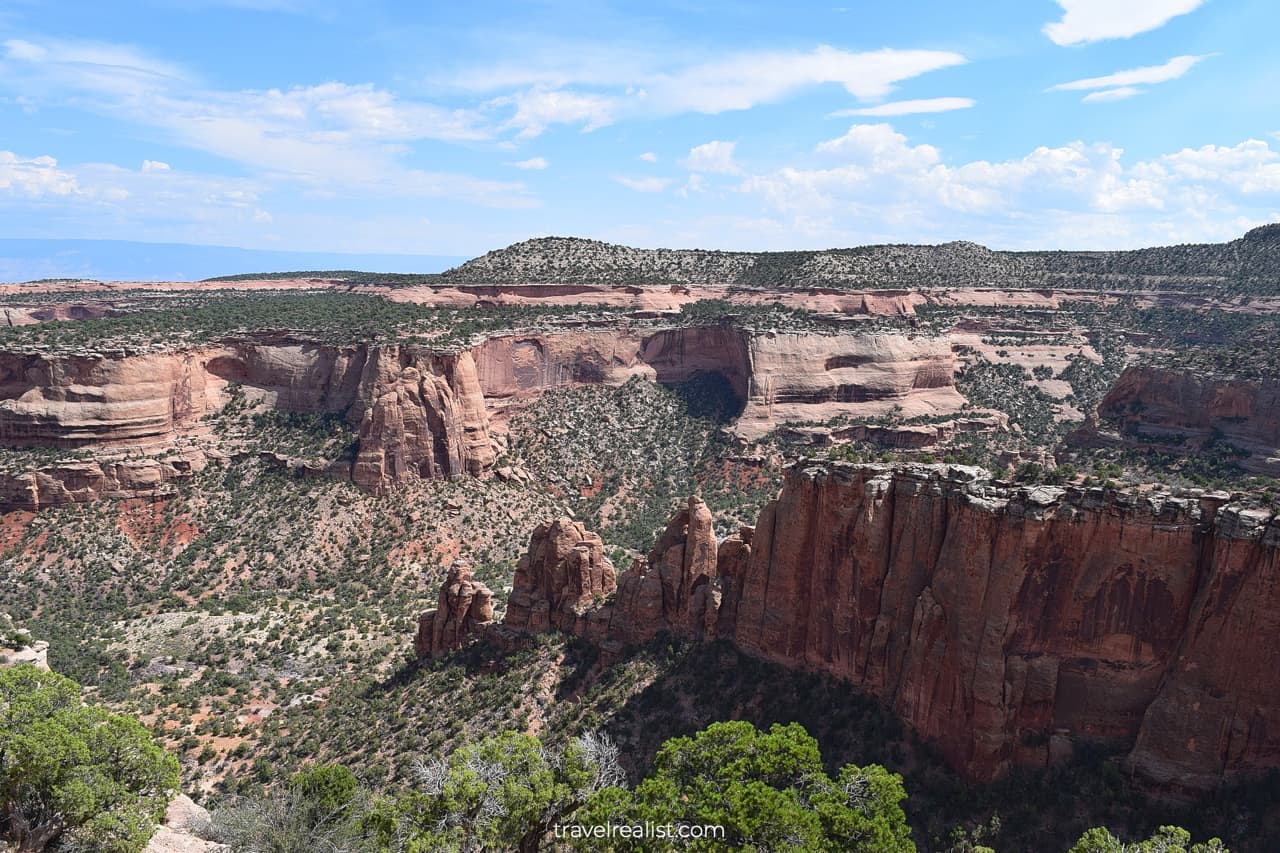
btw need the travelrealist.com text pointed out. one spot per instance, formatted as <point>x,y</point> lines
<point>646,830</point>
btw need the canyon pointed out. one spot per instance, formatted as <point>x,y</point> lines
<point>143,417</point>
<point>418,412</point>
<point>1005,625</point>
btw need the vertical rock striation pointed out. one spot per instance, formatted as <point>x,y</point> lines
<point>1000,623</point>
<point>424,418</point>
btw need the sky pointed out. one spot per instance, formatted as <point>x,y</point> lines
<point>435,128</point>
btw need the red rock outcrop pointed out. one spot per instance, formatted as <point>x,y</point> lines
<point>424,417</point>
<point>562,576</point>
<point>1000,623</point>
<point>779,377</point>
<point>1149,404</point>
<point>465,608</point>
<point>990,618</point>
<point>420,414</point>
<point>676,588</point>
<point>85,481</point>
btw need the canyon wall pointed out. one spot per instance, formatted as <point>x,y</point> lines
<point>1003,624</point>
<point>797,377</point>
<point>778,377</point>
<point>994,619</point>
<point>421,414</point>
<point>418,413</point>
<point>1153,405</point>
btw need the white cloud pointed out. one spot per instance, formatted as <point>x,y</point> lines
<point>1250,167</point>
<point>715,156</point>
<point>695,184</point>
<point>597,93</point>
<point>747,80</point>
<point>97,66</point>
<point>1105,95</point>
<point>878,147</point>
<point>649,157</point>
<point>645,185</point>
<point>154,166</point>
<point>903,108</point>
<point>885,188</point>
<point>538,108</point>
<point>531,163</point>
<point>1085,21</point>
<point>34,177</point>
<point>1145,76</point>
<point>333,135</point>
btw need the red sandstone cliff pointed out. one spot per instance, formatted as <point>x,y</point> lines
<point>424,417</point>
<point>1154,404</point>
<point>1000,623</point>
<point>419,413</point>
<point>779,377</point>
<point>990,617</point>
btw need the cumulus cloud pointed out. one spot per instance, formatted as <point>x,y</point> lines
<point>1251,167</point>
<point>531,163</point>
<point>649,157</point>
<point>154,166</point>
<point>715,156</point>
<point>903,108</point>
<point>878,147</point>
<point>34,177</point>
<point>882,185</point>
<point>1085,21</point>
<point>645,185</point>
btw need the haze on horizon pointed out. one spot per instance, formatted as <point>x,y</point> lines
<point>322,126</point>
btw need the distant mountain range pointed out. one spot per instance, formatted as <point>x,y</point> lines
<point>123,260</point>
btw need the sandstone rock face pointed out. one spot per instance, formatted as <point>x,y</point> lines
<point>677,355</point>
<point>516,365</point>
<point>990,617</point>
<point>778,377</point>
<point>465,608</point>
<point>1152,403</point>
<point>86,481</point>
<point>798,377</point>
<point>560,578</point>
<point>671,589</point>
<point>1002,624</point>
<point>420,414</point>
<point>128,400</point>
<point>424,418</point>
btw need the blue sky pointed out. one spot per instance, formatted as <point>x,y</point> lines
<point>433,128</point>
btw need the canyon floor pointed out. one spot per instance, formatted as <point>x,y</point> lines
<point>226,504</point>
